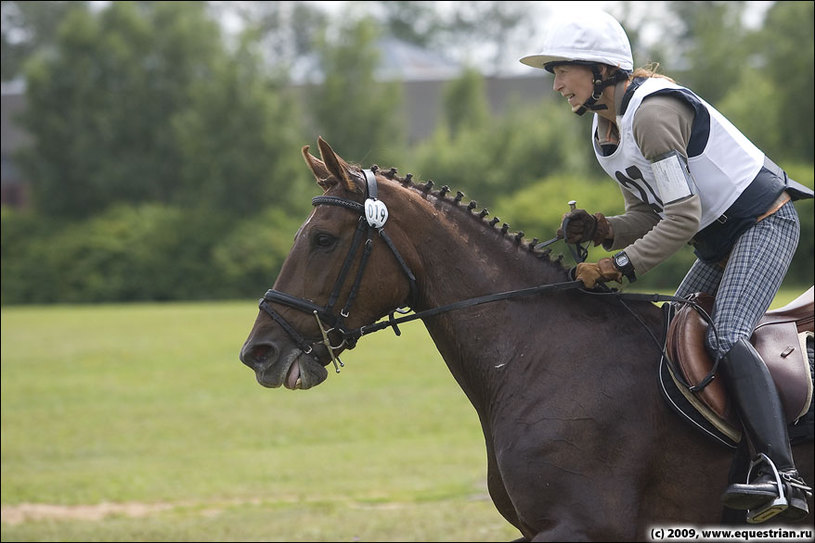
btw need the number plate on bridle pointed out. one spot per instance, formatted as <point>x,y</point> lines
<point>376,212</point>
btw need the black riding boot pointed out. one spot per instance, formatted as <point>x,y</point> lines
<point>774,485</point>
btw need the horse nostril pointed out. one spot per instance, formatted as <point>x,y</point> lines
<point>259,354</point>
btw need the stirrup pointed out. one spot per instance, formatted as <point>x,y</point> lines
<point>774,506</point>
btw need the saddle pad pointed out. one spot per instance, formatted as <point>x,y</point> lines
<point>693,412</point>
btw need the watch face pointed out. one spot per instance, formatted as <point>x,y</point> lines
<point>622,260</point>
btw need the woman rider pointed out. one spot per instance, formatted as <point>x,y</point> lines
<point>687,175</point>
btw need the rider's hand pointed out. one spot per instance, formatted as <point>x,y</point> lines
<point>604,270</point>
<point>584,227</point>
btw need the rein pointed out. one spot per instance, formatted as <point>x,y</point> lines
<point>373,215</point>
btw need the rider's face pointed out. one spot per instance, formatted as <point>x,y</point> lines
<point>573,82</point>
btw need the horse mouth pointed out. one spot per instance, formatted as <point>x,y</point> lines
<point>293,380</point>
<point>295,372</point>
<point>294,377</point>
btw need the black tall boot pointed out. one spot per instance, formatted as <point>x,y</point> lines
<point>774,485</point>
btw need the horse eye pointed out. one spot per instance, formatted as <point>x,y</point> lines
<point>324,240</point>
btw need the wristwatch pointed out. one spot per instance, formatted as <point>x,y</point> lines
<point>623,263</point>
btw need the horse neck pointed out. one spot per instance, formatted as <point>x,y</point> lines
<point>456,254</point>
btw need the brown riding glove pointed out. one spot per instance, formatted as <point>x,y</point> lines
<point>604,270</point>
<point>584,227</point>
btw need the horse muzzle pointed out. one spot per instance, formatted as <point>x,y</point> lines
<point>275,366</point>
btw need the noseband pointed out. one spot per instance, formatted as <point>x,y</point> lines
<point>373,215</point>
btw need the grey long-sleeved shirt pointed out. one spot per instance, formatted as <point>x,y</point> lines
<point>661,124</point>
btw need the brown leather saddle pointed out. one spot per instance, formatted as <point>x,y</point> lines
<point>780,338</point>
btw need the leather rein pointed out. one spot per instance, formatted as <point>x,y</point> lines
<point>373,216</point>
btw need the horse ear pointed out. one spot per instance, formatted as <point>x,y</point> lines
<point>336,165</point>
<point>318,168</point>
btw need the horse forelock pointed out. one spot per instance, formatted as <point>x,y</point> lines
<point>467,211</point>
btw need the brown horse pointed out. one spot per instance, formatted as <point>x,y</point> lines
<point>580,443</point>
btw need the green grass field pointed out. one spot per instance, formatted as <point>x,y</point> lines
<point>139,423</point>
<point>145,411</point>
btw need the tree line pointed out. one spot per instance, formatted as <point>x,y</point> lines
<point>166,164</point>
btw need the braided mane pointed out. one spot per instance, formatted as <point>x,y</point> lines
<point>426,189</point>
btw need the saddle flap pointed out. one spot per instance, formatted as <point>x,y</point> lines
<point>686,347</point>
<point>781,349</point>
<point>776,339</point>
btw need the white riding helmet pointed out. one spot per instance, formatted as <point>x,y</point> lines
<point>588,36</point>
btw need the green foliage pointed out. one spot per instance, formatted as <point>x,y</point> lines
<point>761,79</point>
<point>149,252</point>
<point>238,141</point>
<point>28,27</point>
<point>538,209</point>
<point>787,46</point>
<point>280,31</point>
<point>460,29</point>
<point>413,22</point>
<point>125,73</point>
<point>249,257</point>
<point>712,42</point>
<point>465,103</point>
<point>22,274</point>
<point>350,106</point>
<point>752,106</point>
<point>490,160</point>
<point>157,112</point>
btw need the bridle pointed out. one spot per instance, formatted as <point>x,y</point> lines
<point>373,216</point>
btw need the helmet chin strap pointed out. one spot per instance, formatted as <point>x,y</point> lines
<point>599,87</point>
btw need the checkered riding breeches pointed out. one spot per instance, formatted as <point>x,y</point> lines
<point>746,286</point>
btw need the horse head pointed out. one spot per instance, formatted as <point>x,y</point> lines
<point>340,274</point>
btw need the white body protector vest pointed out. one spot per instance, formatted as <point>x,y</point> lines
<point>721,160</point>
